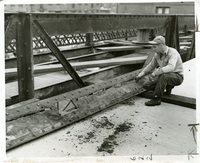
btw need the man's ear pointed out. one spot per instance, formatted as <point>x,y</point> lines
<point>161,45</point>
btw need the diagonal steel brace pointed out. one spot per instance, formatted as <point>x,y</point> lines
<point>55,50</point>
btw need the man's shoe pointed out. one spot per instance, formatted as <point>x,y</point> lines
<point>167,93</point>
<point>153,102</point>
<point>168,90</point>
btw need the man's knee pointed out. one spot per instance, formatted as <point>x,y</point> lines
<point>162,77</point>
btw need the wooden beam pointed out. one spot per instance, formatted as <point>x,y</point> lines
<point>127,43</point>
<point>81,65</point>
<point>174,99</point>
<point>185,43</point>
<point>120,48</point>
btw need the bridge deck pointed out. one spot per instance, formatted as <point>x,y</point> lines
<point>139,130</point>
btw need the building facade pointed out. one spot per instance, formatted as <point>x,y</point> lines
<point>133,8</point>
<point>157,8</point>
<point>63,8</point>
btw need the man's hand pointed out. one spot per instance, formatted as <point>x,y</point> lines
<point>137,78</point>
<point>151,77</point>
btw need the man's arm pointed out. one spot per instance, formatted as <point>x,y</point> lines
<point>169,67</point>
<point>149,68</point>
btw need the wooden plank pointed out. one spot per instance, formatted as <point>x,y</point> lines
<point>174,99</point>
<point>125,43</point>
<point>185,38</point>
<point>120,48</point>
<point>81,65</point>
<point>185,43</point>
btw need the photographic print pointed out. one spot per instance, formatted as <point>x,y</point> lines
<point>101,80</point>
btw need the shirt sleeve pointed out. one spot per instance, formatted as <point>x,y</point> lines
<point>151,66</point>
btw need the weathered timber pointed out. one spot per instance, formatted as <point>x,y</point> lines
<point>10,73</point>
<point>55,113</point>
<point>185,38</point>
<point>174,99</point>
<point>120,48</point>
<point>127,43</point>
<point>185,43</point>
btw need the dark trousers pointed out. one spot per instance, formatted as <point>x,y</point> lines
<point>162,82</point>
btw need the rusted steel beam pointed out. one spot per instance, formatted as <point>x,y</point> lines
<point>89,39</point>
<point>56,112</point>
<point>25,58</point>
<point>38,106</point>
<point>172,33</point>
<point>191,52</point>
<point>66,24</point>
<point>67,66</point>
<point>69,85</point>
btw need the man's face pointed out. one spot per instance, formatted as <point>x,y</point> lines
<point>157,48</point>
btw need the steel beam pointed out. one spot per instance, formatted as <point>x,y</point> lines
<point>191,52</point>
<point>62,110</point>
<point>69,85</point>
<point>172,33</point>
<point>89,39</point>
<point>66,24</point>
<point>67,66</point>
<point>103,27</point>
<point>25,58</point>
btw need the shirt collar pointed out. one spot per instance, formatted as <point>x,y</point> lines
<point>166,51</point>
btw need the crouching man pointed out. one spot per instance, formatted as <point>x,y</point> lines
<point>163,72</point>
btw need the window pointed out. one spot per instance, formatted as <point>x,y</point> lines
<point>73,5</point>
<point>162,10</point>
<point>92,5</point>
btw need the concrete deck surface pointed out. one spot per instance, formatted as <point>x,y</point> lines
<point>124,129</point>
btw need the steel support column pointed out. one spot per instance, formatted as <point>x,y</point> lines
<point>24,50</point>
<point>89,39</point>
<point>66,65</point>
<point>172,34</point>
